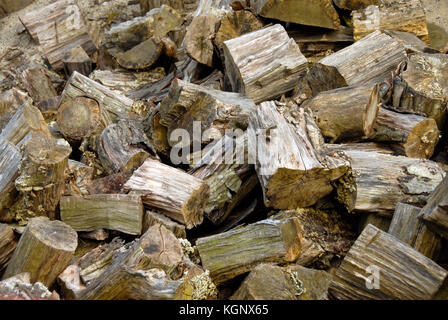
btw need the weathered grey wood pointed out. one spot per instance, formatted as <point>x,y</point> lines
<point>10,158</point>
<point>235,252</point>
<point>177,194</point>
<point>369,60</point>
<point>57,28</point>
<point>263,64</point>
<point>411,42</point>
<point>401,15</point>
<point>404,273</point>
<point>8,243</point>
<point>291,171</point>
<point>411,135</point>
<point>152,218</point>
<point>364,146</point>
<point>112,211</point>
<point>406,227</point>
<point>435,212</point>
<point>44,250</point>
<point>319,13</point>
<point>19,287</point>
<point>346,113</point>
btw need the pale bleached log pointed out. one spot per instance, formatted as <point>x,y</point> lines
<point>20,287</point>
<point>263,64</point>
<point>404,273</point>
<point>112,211</point>
<point>177,194</point>
<point>44,250</point>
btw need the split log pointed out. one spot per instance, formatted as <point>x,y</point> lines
<point>10,101</point>
<point>365,147</point>
<point>310,284</point>
<point>411,42</point>
<point>403,272</point>
<point>320,13</point>
<point>111,184</point>
<point>37,83</point>
<point>81,118</point>
<point>216,110</point>
<point>411,135</point>
<point>42,176</point>
<point>8,243</point>
<point>177,194</point>
<point>119,212</point>
<point>70,283</point>
<point>266,70</point>
<point>235,252</point>
<point>346,113</point>
<point>78,177</point>
<point>57,28</point>
<point>435,213</point>
<point>383,180</point>
<point>44,250</point>
<point>209,6</point>
<point>9,6</point>
<point>141,56</point>
<point>291,171</point>
<point>10,158</point>
<point>420,88</point>
<point>401,15</point>
<point>355,4</point>
<point>406,227</point>
<point>199,38</point>
<point>152,218</point>
<point>368,61</point>
<point>49,109</point>
<point>19,287</point>
<point>77,60</point>
<point>112,102</point>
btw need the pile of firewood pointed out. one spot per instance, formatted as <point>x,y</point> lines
<point>214,149</point>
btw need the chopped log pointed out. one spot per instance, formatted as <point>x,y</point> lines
<point>78,177</point>
<point>291,171</point>
<point>435,213</point>
<point>10,158</point>
<point>119,212</point>
<point>266,70</point>
<point>406,227</point>
<point>44,250</point>
<point>37,83</point>
<point>216,110</point>
<point>177,194</point>
<point>77,60</point>
<point>199,38</point>
<point>355,4</point>
<point>411,135</point>
<point>235,252</point>
<point>346,113</point>
<point>401,15</point>
<point>383,180</point>
<point>111,184</point>
<point>368,61</point>
<point>318,13</point>
<point>411,42</point>
<point>420,88</point>
<point>8,244</point>
<point>120,147</point>
<point>70,283</point>
<point>42,177</point>
<point>9,6</point>
<point>206,7</point>
<point>365,146</point>
<point>19,287</point>
<point>403,273</point>
<point>10,101</point>
<point>310,284</point>
<point>141,56</point>
<point>49,109</point>
<point>57,28</point>
<point>152,218</point>
<point>114,103</point>
<point>81,118</point>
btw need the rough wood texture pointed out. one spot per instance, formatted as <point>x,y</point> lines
<point>37,83</point>
<point>70,283</point>
<point>8,243</point>
<point>346,113</point>
<point>401,15</point>
<point>405,274</point>
<point>114,103</point>
<point>235,252</point>
<point>44,250</point>
<point>291,171</point>
<point>435,213</point>
<point>421,88</point>
<point>412,135</point>
<point>77,60</point>
<point>379,221</point>
<point>147,5</point>
<point>141,56</point>
<point>179,195</point>
<point>406,227</point>
<point>152,218</point>
<point>216,110</point>
<point>199,38</point>
<point>411,42</point>
<point>9,6</point>
<point>58,28</point>
<point>112,211</point>
<point>369,60</point>
<point>355,4</point>
<point>319,13</point>
<point>383,180</point>
<point>263,64</point>
<point>42,177</point>
<point>10,101</point>
<point>10,158</point>
<point>19,287</point>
